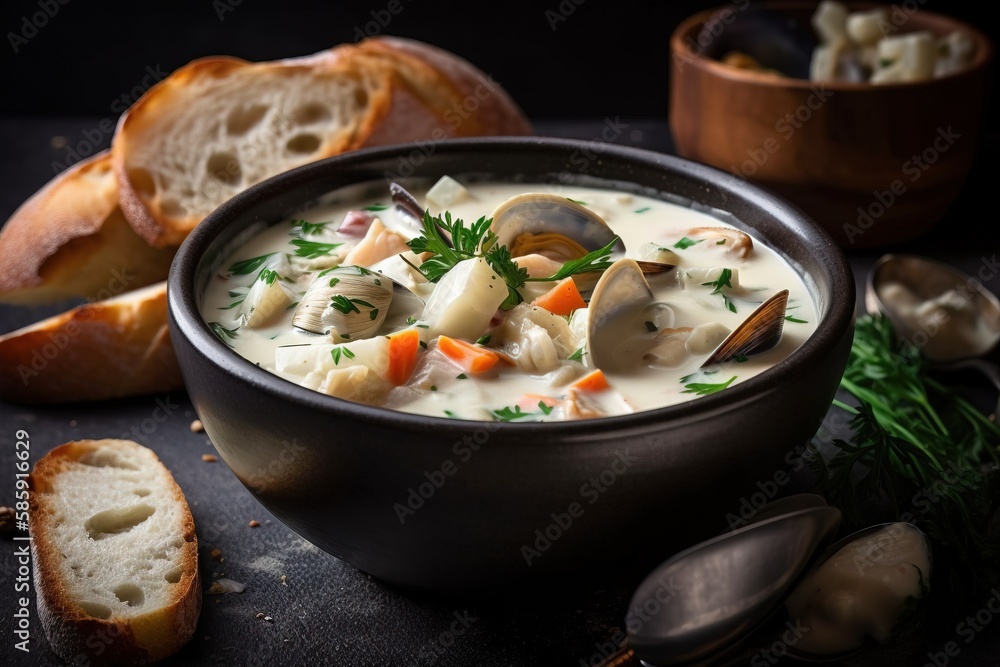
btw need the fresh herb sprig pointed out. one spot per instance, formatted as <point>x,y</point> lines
<point>725,279</point>
<point>509,414</point>
<point>302,228</point>
<point>478,240</point>
<point>918,453</point>
<point>248,266</point>
<point>706,388</point>
<point>313,249</point>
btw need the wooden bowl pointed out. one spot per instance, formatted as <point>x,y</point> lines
<point>873,164</point>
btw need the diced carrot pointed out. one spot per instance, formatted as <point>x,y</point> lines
<point>593,381</point>
<point>472,358</point>
<point>562,299</point>
<point>403,348</point>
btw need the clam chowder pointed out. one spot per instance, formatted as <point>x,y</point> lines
<point>508,301</point>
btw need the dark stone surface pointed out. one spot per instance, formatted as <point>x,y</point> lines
<point>326,613</point>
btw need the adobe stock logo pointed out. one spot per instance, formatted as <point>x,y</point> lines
<point>31,24</point>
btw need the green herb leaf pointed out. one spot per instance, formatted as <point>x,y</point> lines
<point>248,265</point>
<point>224,334</point>
<point>313,249</point>
<point>462,376</point>
<point>598,260</point>
<point>267,276</point>
<point>705,388</point>
<point>302,228</point>
<point>577,355</point>
<point>544,407</point>
<point>343,304</point>
<point>641,210</point>
<point>336,353</point>
<point>483,340</point>
<point>411,320</point>
<point>232,305</point>
<point>795,319</point>
<point>724,280</point>
<point>577,201</point>
<point>375,207</point>
<point>686,243</point>
<point>508,414</point>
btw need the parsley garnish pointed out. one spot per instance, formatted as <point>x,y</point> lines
<point>411,320</point>
<point>312,249</point>
<point>223,333</point>
<point>232,305</point>
<point>343,304</point>
<point>375,207</point>
<point>721,242</point>
<point>483,340</point>
<point>248,265</point>
<point>508,414</point>
<point>795,319</point>
<point>303,228</point>
<point>336,353</point>
<point>724,280</point>
<point>449,413</point>
<point>545,407</point>
<point>641,210</point>
<point>267,276</point>
<point>578,355</point>
<point>597,260</point>
<point>461,376</point>
<point>705,388</point>
<point>686,243</point>
<point>478,240</point>
<point>577,201</point>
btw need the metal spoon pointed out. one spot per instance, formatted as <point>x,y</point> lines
<point>729,586</point>
<point>674,639</point>
<point>926,279</point>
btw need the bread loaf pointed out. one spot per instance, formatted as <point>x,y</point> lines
<point>70,240</point>
<point>205,133</point>
<point>115,554</point>
<point>218,125</point>
<point>106,349</point>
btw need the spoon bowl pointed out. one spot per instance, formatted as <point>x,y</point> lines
<point>948,314</point>
<point>723,589</point>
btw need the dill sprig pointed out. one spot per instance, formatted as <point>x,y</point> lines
<point>919,453</point>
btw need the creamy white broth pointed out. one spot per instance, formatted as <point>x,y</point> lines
<point>636,219</point>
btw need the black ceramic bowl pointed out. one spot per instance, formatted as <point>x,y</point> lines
<point>451,505</point>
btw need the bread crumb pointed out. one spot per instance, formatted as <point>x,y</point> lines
<point>209,458</point>
<point>197,426</point>
<point>259,615</point>
<point>216,554</point>
<point>254,523</point>
<point>284,580</point>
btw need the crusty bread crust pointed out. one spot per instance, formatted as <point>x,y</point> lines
<point>406,91</point>
<point>71,240</point>
<point>107,349</point>
<point>466,100</point>
<point>72,632</point>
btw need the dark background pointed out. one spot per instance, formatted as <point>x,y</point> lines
<point>606,58</point>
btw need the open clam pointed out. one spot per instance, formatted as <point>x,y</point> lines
<point>351,302</point>
<point>557,228</point>
<point>623,318</point>
<point>758,333</point>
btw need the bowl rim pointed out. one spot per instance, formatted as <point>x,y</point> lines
<point>680,50</point>
<point>186,321</point>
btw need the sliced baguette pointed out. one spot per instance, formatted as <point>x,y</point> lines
<point>70,239</point>
<point>218,125</point>
<point>107,349</point>
<point>115,554</point>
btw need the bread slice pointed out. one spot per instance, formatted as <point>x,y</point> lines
<point>106,349</point>
<point>70,239</point>
<point>218,125</point>
<point>115,554</point>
